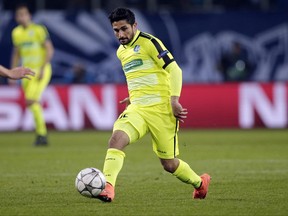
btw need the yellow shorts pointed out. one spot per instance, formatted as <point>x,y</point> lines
<point>34,88</point>
<point>159,120</point>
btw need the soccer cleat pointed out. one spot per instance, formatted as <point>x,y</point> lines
<point>201,192</point>
<point>41,141</point>
<point>107,195</point>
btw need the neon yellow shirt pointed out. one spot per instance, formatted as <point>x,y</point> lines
<point>30,42</point>
<point>147,65</point>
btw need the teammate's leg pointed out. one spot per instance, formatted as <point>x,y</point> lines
<point>40,125</point>
<point>33,90</point>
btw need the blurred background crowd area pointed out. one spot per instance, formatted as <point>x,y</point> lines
<point>213,41</point>
<point>152,5</point>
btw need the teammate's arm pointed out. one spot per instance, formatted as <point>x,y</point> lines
<point>48,46</point>
<point>16,73</point>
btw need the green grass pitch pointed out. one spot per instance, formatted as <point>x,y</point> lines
<point>249,170</point>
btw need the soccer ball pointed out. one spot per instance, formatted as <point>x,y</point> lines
<point>90,182</point>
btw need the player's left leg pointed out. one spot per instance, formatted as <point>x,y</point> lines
<point>185,174</point>
<point>182,171</point>
<point>164,128</point>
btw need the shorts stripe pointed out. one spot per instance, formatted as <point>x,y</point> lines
<point>175,138</point>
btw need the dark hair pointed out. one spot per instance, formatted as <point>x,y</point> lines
<point>22,5</point>
<point>122,14</point>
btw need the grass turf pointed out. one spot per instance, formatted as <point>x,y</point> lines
<point>249,170</point>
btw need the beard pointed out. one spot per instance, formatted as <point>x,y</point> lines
<point>126,40</point>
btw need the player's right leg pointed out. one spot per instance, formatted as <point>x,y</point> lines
<point>113,163</point>
<point>128,128</point>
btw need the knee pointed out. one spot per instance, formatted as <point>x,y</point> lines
<point>170,165</point>
<point>118,140</point>
<point>29,103</point>
<point>112,141</point>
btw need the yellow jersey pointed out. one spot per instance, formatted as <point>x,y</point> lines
<point>144,61</point>
<point>30,42</point>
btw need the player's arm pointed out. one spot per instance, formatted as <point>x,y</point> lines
<point>176,86</point>
<point>164,59</point>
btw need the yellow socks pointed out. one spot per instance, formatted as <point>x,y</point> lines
<point>113,164</point>
<point>187,175</point>
<point>40,125</point>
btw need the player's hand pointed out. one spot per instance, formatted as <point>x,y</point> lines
<point>125,101</point>
<point>19,73</point>
<point>179,112</point>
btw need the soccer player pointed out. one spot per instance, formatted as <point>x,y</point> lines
<point>34,49</point>
<point>154,83</point>
<point>16,73</point>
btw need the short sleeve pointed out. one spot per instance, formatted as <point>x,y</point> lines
<point>43,33</point>
<point>15,40</point>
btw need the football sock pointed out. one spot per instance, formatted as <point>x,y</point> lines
<point>187,175</point>
<point>113,164</point>
<point>40,125</point>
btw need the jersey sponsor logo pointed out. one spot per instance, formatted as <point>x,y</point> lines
<point>26,44</point>
<point>137,48</point>
<point>162,54</point>
<point>132,64</point>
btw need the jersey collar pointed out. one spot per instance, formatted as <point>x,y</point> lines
<point>28,26</point>
<point>136,36</point>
